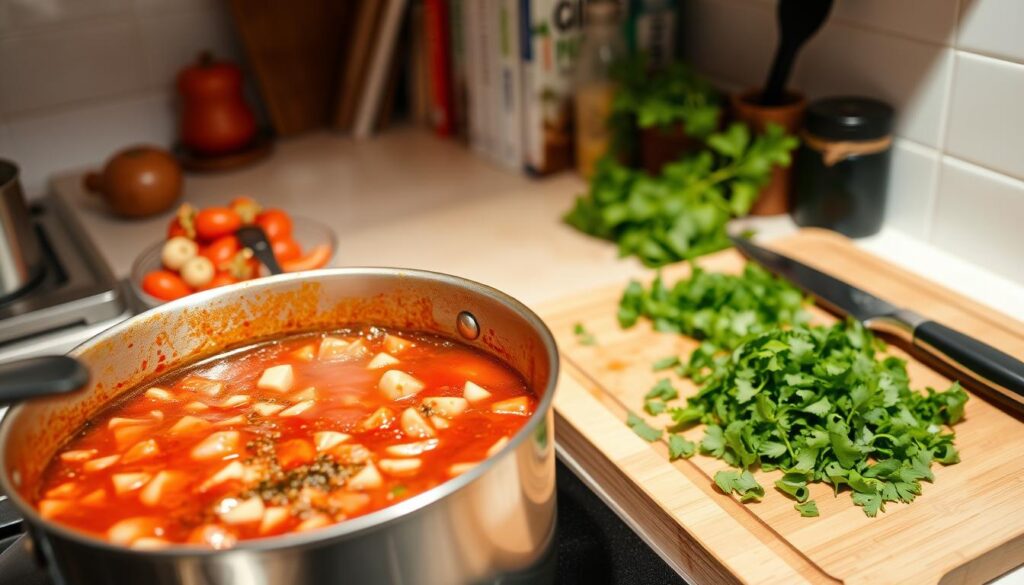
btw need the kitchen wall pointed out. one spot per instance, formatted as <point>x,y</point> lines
<point>82,78</point>
<point>954,69</point>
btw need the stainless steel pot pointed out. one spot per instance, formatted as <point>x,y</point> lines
<point>20,255</point>
<point>493,523</point>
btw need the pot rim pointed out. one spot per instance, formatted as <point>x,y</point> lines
<point>341,530</point>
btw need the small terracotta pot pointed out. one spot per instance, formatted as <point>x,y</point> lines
<point>775,196</point>
<point>659,146</point>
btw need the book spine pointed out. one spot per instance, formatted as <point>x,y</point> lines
<point>435,22</point>
<point>478,84</point>
<point>369,105</point>
<point>417,76</point>
<point>491,77</point>
<point>554,28</point>
<point>508,89</point>
<point>457,50</point>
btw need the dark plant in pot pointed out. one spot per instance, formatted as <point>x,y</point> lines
<point>661,114</point>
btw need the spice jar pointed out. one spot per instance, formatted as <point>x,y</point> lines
<point>601,48</point>
<point>842,166</point>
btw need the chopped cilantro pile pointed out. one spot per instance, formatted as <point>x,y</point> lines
<point>821,406</point>
<point>720,308</point>
<point>817,403</point>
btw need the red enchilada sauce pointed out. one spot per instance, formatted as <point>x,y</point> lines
<point>287,436</point>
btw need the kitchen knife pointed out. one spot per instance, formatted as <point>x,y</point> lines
<point>1001,372</point>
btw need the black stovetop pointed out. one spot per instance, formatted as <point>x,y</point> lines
<point>594,546</point>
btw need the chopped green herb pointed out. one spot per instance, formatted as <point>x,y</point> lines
<point>583,336</point>
<point>793,485</point>
<point>808,509</point>
<point>665,363</point>
<point>655,407</point>
<point>820,404</point>
<point>741,482</point>
<point>678,447</point>
<point>663,389</point>
<point>397,491</point>
<point>723,309</point>
<point>642,429</point>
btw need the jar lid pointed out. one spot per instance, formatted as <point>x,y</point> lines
<point>849,118</point>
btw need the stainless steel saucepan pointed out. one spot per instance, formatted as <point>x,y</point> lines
<point>493,523</point>
<point>21,260</point>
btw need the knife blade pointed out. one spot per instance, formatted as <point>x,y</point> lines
<point>997,370</point>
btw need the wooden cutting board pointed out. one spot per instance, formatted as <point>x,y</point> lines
<point>966,527</point>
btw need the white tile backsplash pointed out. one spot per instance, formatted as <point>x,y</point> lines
<point>23,14</point>
<point>986,115</point>
<point>992,27</point>
<point>50,67</point>
<point>174,41</point>
<point>911,195</point>
<point>82,78</point>
<point>149,7</point>
<point>978,216</point>
<point>910,75</point>
<point>927,20</point>
<point>37,141</point>
<point>730,40</point>
<point>954,70</point>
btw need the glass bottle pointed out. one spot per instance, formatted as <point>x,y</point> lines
<point>602,46</point>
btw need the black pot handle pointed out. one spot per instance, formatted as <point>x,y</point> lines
<point>41,376</point>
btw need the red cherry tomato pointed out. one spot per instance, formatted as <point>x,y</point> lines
<point>220,279</point>
<point>275,223</point>
<point>165,285</point>
<point>221,250</point>
<point>215,222</point>
<point>317,257</point>
<point>175,229</point>
<point>285,249</point>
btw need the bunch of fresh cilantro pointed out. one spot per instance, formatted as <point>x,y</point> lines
<point>681,213</point>
<point>661,98</point>
<point>819,404</point>
<point>722,309</point>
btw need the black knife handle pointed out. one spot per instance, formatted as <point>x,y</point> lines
<point>1004,372</point>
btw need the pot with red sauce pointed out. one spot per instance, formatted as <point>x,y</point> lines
<point>344,426</point>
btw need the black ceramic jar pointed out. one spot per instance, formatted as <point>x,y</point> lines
<point>842,166</point>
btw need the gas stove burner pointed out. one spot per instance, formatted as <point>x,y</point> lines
<point>74,288</point>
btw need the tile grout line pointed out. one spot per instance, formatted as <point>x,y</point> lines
<point>981,169</point>
<point>932,202</point>
<point>864,26</point>
<point>112,99</point>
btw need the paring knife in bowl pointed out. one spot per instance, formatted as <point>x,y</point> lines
<point>1000,372</point>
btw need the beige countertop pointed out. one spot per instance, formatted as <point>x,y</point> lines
<point>407,198</point>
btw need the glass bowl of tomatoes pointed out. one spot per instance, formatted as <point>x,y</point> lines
<point>201,251</point>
